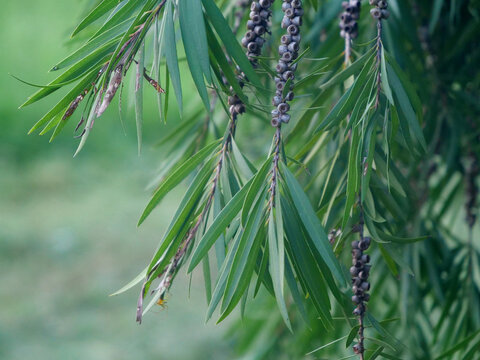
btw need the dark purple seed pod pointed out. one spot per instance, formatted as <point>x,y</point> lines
<point>275,122</point>
<point>382,4</point>
<point>354,34</point>
<point>358,348</point>
<point>296,38</point>
<point>299,12</point>
<point>232,109</point>
<point>252,14</point>
<point>345,4</point>
<point>365,286</point>
<point>281,67</point>
<point>250,25</point>
<point>356,3</point>
<point>259,30</point>
<point>364,244</point>
<point>255,6</point>
<point>250,35</point>
<point>357,253</point>
<point>289,96</point>
<point>296,3</point>
<point>354,271</point>
<point>357,263</point>
<point>287,56</point>
<point>293,29</point>
<point>286,39</point>
<point>358,311</point>
<point>260,41</point>
<point>346,17</point>
<point>232,100</point>
<point>385,14</point>
<point>285,118</point>
<point>365,258</point>
<point>240,108</point>
<point>350,9</point>
<point>275,113</point>
<point>282,49</point>
<point>265,3</point>
<point>288,75</point>
<point>355,244</point>
<point>252,47</point>
<point>297,20</point>
<point>376,13</point>
<point>286,5</point>
<point>283,107</point>
<point>289,13</point>
<point>256,19</point>
<point>264,14</point>
<point>286,22</point>
<point>363,275</point>
<point>355,299</point>
<point>280,85</point>
<point>293,46</point>
<point>245,41</point>
<point>276,100</point>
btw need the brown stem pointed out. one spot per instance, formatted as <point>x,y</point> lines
<point>348,49</point>
<point>379,59</point>
<point>276,157</point>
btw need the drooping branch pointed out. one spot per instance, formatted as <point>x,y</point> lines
<point>349,25</point>
<point>379,13</point>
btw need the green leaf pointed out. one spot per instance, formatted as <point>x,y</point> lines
<point>194,38</point>
<point>231,44</point>
<point>349,71</point>
<point>178,227</point>
<point>255,188</point>
<point>177,175</point>
<point>171,54</point>
<point>384,76</point>
<point>221,221</point>
<point>376,353</point>
<point>460,345</point>
<point>139,95</point>
<point>101,9</point>
<point>276,268</point>
<point>353,175</point>
<point>217,55</point>
<point>352,335</point>
<point>312,224</point>
<point>63,104</point>
<point>244,261</point>
<point>132,283</point>
<point>81,68</point>
<point>222,279</point>
<point>110,36</point>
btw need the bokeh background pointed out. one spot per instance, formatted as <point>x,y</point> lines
<point>68,235</point>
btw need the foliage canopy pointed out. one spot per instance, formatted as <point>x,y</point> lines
<point>380,140</point>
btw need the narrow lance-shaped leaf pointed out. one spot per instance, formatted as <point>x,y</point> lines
<point>312,224</point>
<point>177,175</point>
<point>171,54</point>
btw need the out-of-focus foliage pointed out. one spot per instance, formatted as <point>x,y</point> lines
<point>385,142</point>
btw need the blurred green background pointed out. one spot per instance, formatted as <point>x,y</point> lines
<point>68,235</point>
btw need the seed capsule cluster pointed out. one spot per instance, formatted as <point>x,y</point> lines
<point>257,26</point>
<point>360,271</point>
<point>380,11</point>
<point>349,17</point>
<point>288,51</point>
